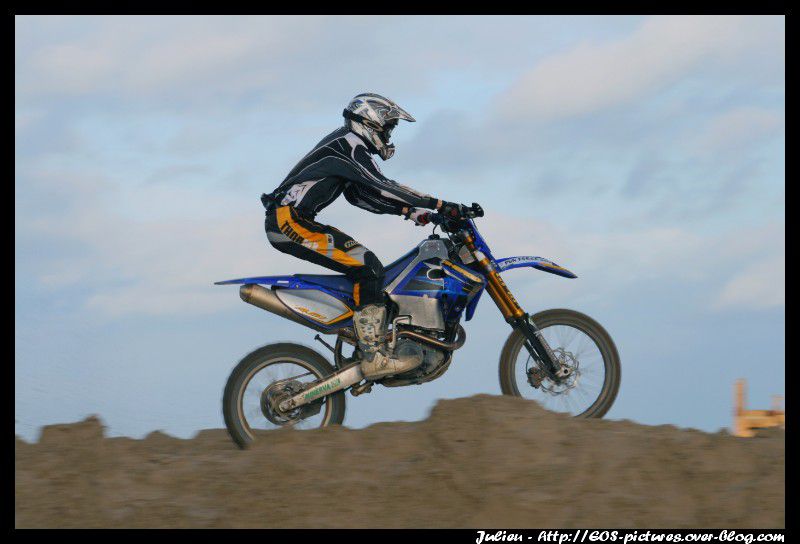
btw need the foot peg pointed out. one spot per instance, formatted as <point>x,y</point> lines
<point>362,388</point>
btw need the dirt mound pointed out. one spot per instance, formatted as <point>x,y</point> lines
<point>483,461</point>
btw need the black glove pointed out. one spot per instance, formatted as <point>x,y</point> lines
<point>419,217</point>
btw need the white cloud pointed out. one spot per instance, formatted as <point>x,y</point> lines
<point>25,118</point>
<point>289,60</point>
<point>159,252</point>
<point>739,128</point>
<point>156,267</point>
<point>759,285</point>
<point>154,248</point>
<point>74,68</point>
<point>594,76</point>
<point>135,57</point>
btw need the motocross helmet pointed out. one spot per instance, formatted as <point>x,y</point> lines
<point>373,117</point>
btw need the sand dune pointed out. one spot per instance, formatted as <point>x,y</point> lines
<point>482,461</point>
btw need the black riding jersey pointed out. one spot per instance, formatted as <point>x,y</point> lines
<point>341,163</point>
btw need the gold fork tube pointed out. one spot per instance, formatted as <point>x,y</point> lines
<point>495,285</point>
<point>501,295</point>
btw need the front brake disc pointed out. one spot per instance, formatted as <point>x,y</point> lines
<point>566,361</point>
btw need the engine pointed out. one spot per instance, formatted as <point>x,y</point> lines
<point>434,363</point>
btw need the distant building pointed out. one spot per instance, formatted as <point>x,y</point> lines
<point>747,422</point>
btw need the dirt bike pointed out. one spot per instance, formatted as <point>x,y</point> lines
<point>562,358</point>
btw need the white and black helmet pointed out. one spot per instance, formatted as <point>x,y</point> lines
<point>373,117</point>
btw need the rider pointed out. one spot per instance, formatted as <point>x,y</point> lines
<point>342,163</point>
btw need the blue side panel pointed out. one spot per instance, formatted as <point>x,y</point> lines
<point>393,270</point>
<point>334,282</point>
<point>473,304</point>
<point>418,282</point>
<point>455,288</point>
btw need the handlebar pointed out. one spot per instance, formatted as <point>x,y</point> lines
<point>449,223</point>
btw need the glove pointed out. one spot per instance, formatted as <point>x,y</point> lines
<point>419,217</point>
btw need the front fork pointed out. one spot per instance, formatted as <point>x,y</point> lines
<point>515,316</point>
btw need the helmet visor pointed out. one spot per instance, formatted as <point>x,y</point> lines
<point>396,113</point>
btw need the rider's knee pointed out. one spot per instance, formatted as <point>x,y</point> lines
<point>372,269</point>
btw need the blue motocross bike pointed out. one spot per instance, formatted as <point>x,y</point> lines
<point>561,358</point>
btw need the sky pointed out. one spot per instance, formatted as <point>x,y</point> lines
<point>646,154</point>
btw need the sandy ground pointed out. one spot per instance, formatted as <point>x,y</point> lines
<point>482,461</point>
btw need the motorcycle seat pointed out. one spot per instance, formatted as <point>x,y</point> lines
<point>340,282</point>
<point>337,282</point>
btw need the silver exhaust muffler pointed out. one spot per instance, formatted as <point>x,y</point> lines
<point>266,299</point>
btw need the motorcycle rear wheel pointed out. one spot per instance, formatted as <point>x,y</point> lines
<point>299,361</point>
<point>513,376</point>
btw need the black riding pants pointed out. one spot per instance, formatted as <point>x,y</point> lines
<point>290,232</point>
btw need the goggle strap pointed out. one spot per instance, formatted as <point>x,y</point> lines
<point>358,118</point>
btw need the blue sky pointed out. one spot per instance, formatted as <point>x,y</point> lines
<point>644,153</point>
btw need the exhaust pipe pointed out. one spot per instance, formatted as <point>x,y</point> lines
<point>449,346</point>
<point>266,299</point>
<point>461,337</point>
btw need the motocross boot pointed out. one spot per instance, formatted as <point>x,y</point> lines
<point>370,326</point>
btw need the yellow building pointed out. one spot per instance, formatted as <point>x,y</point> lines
<point>746,422</point>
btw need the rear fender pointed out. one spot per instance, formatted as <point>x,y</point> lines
<point>289,282</point>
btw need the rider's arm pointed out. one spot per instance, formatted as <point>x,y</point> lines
<point>368,199</point>
<point>367,174</point>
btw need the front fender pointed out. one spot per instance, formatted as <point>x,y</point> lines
<point>540,263</point>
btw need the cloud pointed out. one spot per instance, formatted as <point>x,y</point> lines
<point>679,119</point>
<point>74,68</point>
<point>140,56</point>
<point>159,262</point>
<point>164,62</point>
<point>759,285</point>
<point>151,231</point>
<point>592,77</point>
<point>156,249</point>
<point>298,63</point>
<point>647,175</point>
<point>164,263</point>
<point>611,263</point>
<point>739,129</point>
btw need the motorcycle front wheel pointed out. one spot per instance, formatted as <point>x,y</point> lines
<point>581,344</point>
